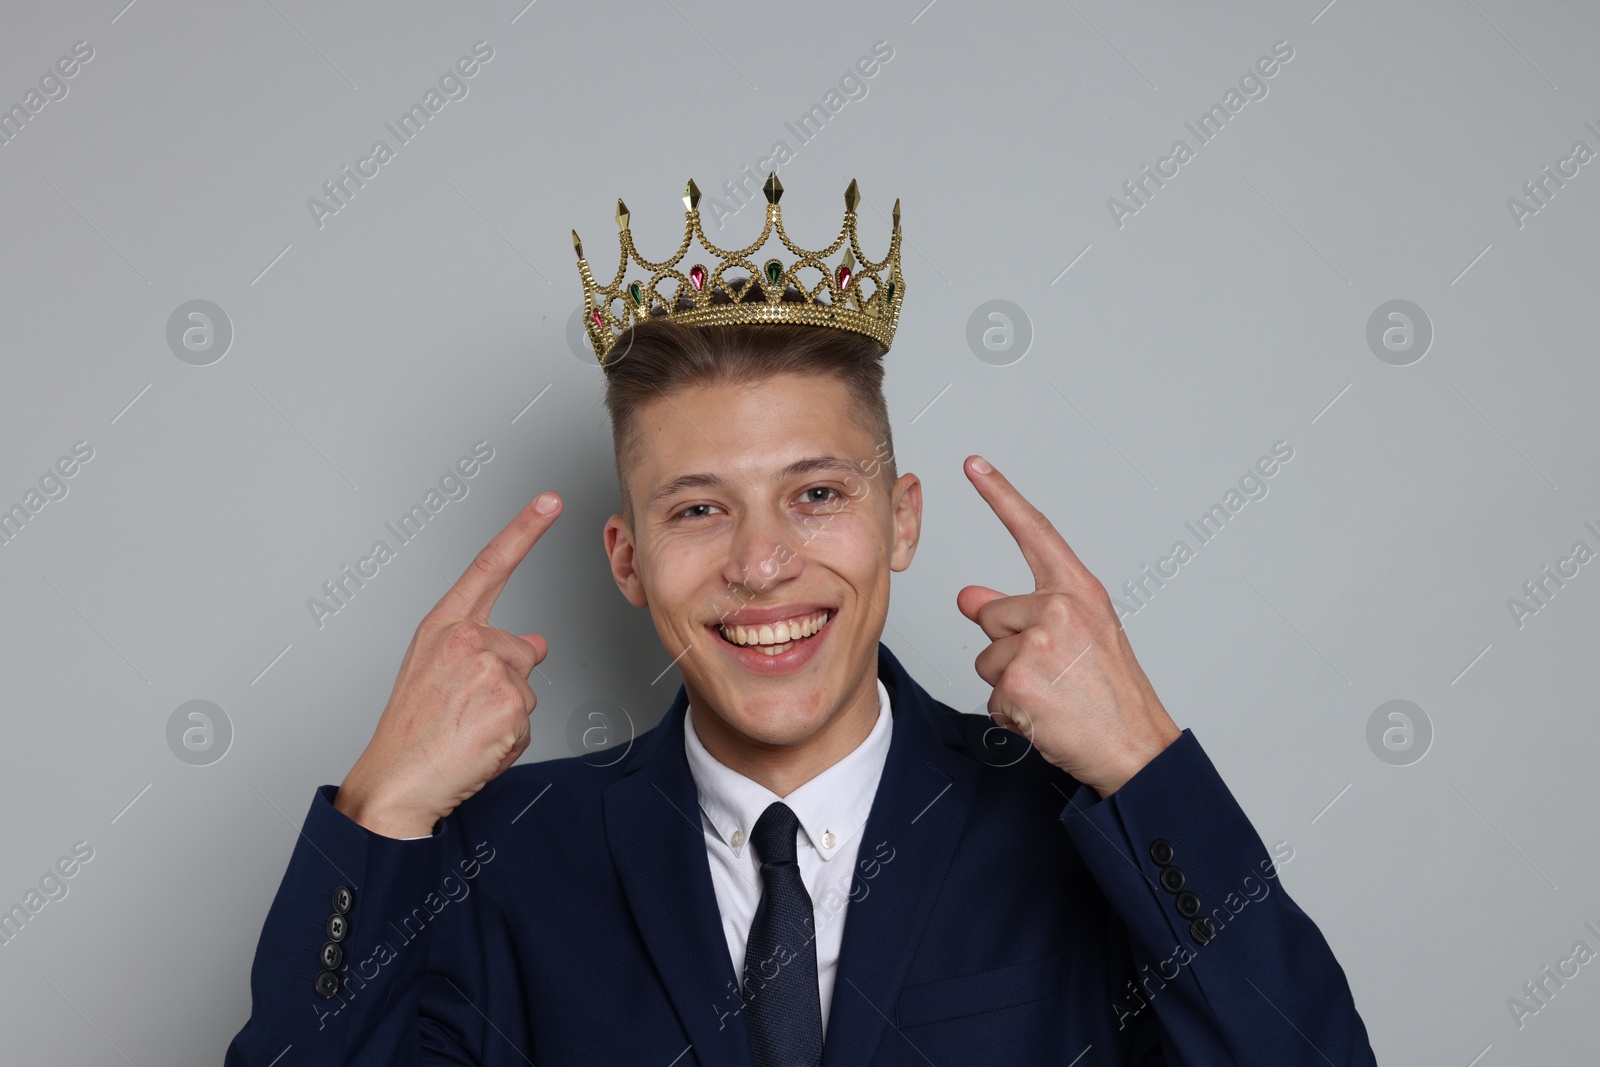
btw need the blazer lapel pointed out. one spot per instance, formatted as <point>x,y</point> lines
<point>907,845</point>
<point>657,842</point>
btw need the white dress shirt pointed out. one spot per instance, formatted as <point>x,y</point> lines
<point>832,809</point>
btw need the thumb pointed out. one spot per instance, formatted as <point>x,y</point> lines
<point>972,598</point>
<point>541,647</point>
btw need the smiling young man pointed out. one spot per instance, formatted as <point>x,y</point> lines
<point>756,514</point>
<point>809,860</point>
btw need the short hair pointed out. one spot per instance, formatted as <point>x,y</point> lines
<point>657,357</point>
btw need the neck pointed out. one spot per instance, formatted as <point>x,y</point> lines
<point>785,768</point>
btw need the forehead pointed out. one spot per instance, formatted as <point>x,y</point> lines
<point>751,429</point>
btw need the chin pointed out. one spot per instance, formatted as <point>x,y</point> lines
<point>782,725</point>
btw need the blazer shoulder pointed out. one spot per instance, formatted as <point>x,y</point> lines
<point>1010,756</point>
<point>560,786</point>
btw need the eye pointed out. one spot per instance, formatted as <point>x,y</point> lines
<point>685,512</point>
<point>821,489</point>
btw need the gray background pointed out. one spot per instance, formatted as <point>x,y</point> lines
<point>1229,313</point>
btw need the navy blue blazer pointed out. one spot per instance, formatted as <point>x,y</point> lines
<point>1000,913</point>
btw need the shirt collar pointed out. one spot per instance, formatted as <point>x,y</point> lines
<point>832,807</point>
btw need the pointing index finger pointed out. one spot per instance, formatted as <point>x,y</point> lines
<point>475,592</point>
<point>1050,558</point>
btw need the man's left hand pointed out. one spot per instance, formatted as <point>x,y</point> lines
<point>1063,673</point>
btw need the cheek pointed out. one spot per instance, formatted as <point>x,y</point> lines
<point>855,548</point>
<point>683,581</point>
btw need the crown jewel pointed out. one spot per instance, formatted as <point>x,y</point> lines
<point>819,294</point>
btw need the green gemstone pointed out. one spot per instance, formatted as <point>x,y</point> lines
<point>638,296</point>
<point>774,272</point>
<point>891,292</point>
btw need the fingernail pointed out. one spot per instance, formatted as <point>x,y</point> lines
<point>545,504</point>
<point>981,465</point>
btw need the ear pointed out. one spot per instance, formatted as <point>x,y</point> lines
<point>906,504</point>
<point>620,550</point>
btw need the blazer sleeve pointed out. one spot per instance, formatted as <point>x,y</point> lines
<point>341,966</point>
<point>1227,964</point>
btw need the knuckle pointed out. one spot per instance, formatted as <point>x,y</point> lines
<point>517,735</point>
<point>1037,639</point>
<point>1028,688</point>
<point>1059,608</point>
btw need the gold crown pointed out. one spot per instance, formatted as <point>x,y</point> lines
<point>704,297</point>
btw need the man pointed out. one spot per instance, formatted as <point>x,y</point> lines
<point>809,861</point>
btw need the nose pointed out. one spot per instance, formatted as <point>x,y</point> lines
<point>763,551</point>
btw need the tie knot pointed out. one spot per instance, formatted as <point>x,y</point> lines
<point>774,835</point>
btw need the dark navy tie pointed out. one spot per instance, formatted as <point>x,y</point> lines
<point>782,1002</point>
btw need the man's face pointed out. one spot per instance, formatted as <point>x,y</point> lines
<point>756,503</point>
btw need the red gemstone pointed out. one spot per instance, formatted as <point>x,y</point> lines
<point>697,277</point>
<point>595,314</point>
<point>844,277</point>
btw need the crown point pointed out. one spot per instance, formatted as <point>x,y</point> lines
<point>773,188</point>
<point>577,244</point>
<point>622,215</point>
<point>691,196</point>
<point>852,196</point>
<point>897,212</point>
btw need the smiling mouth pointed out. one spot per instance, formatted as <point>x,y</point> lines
<point>773,639</point>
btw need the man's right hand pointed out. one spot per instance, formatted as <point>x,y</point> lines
<point>458,715</point>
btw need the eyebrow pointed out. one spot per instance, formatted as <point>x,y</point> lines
<point>707,480</point>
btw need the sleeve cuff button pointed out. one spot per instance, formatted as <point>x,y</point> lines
<point>327,985</point>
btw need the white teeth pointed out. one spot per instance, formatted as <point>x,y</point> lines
<point>774,638</point>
